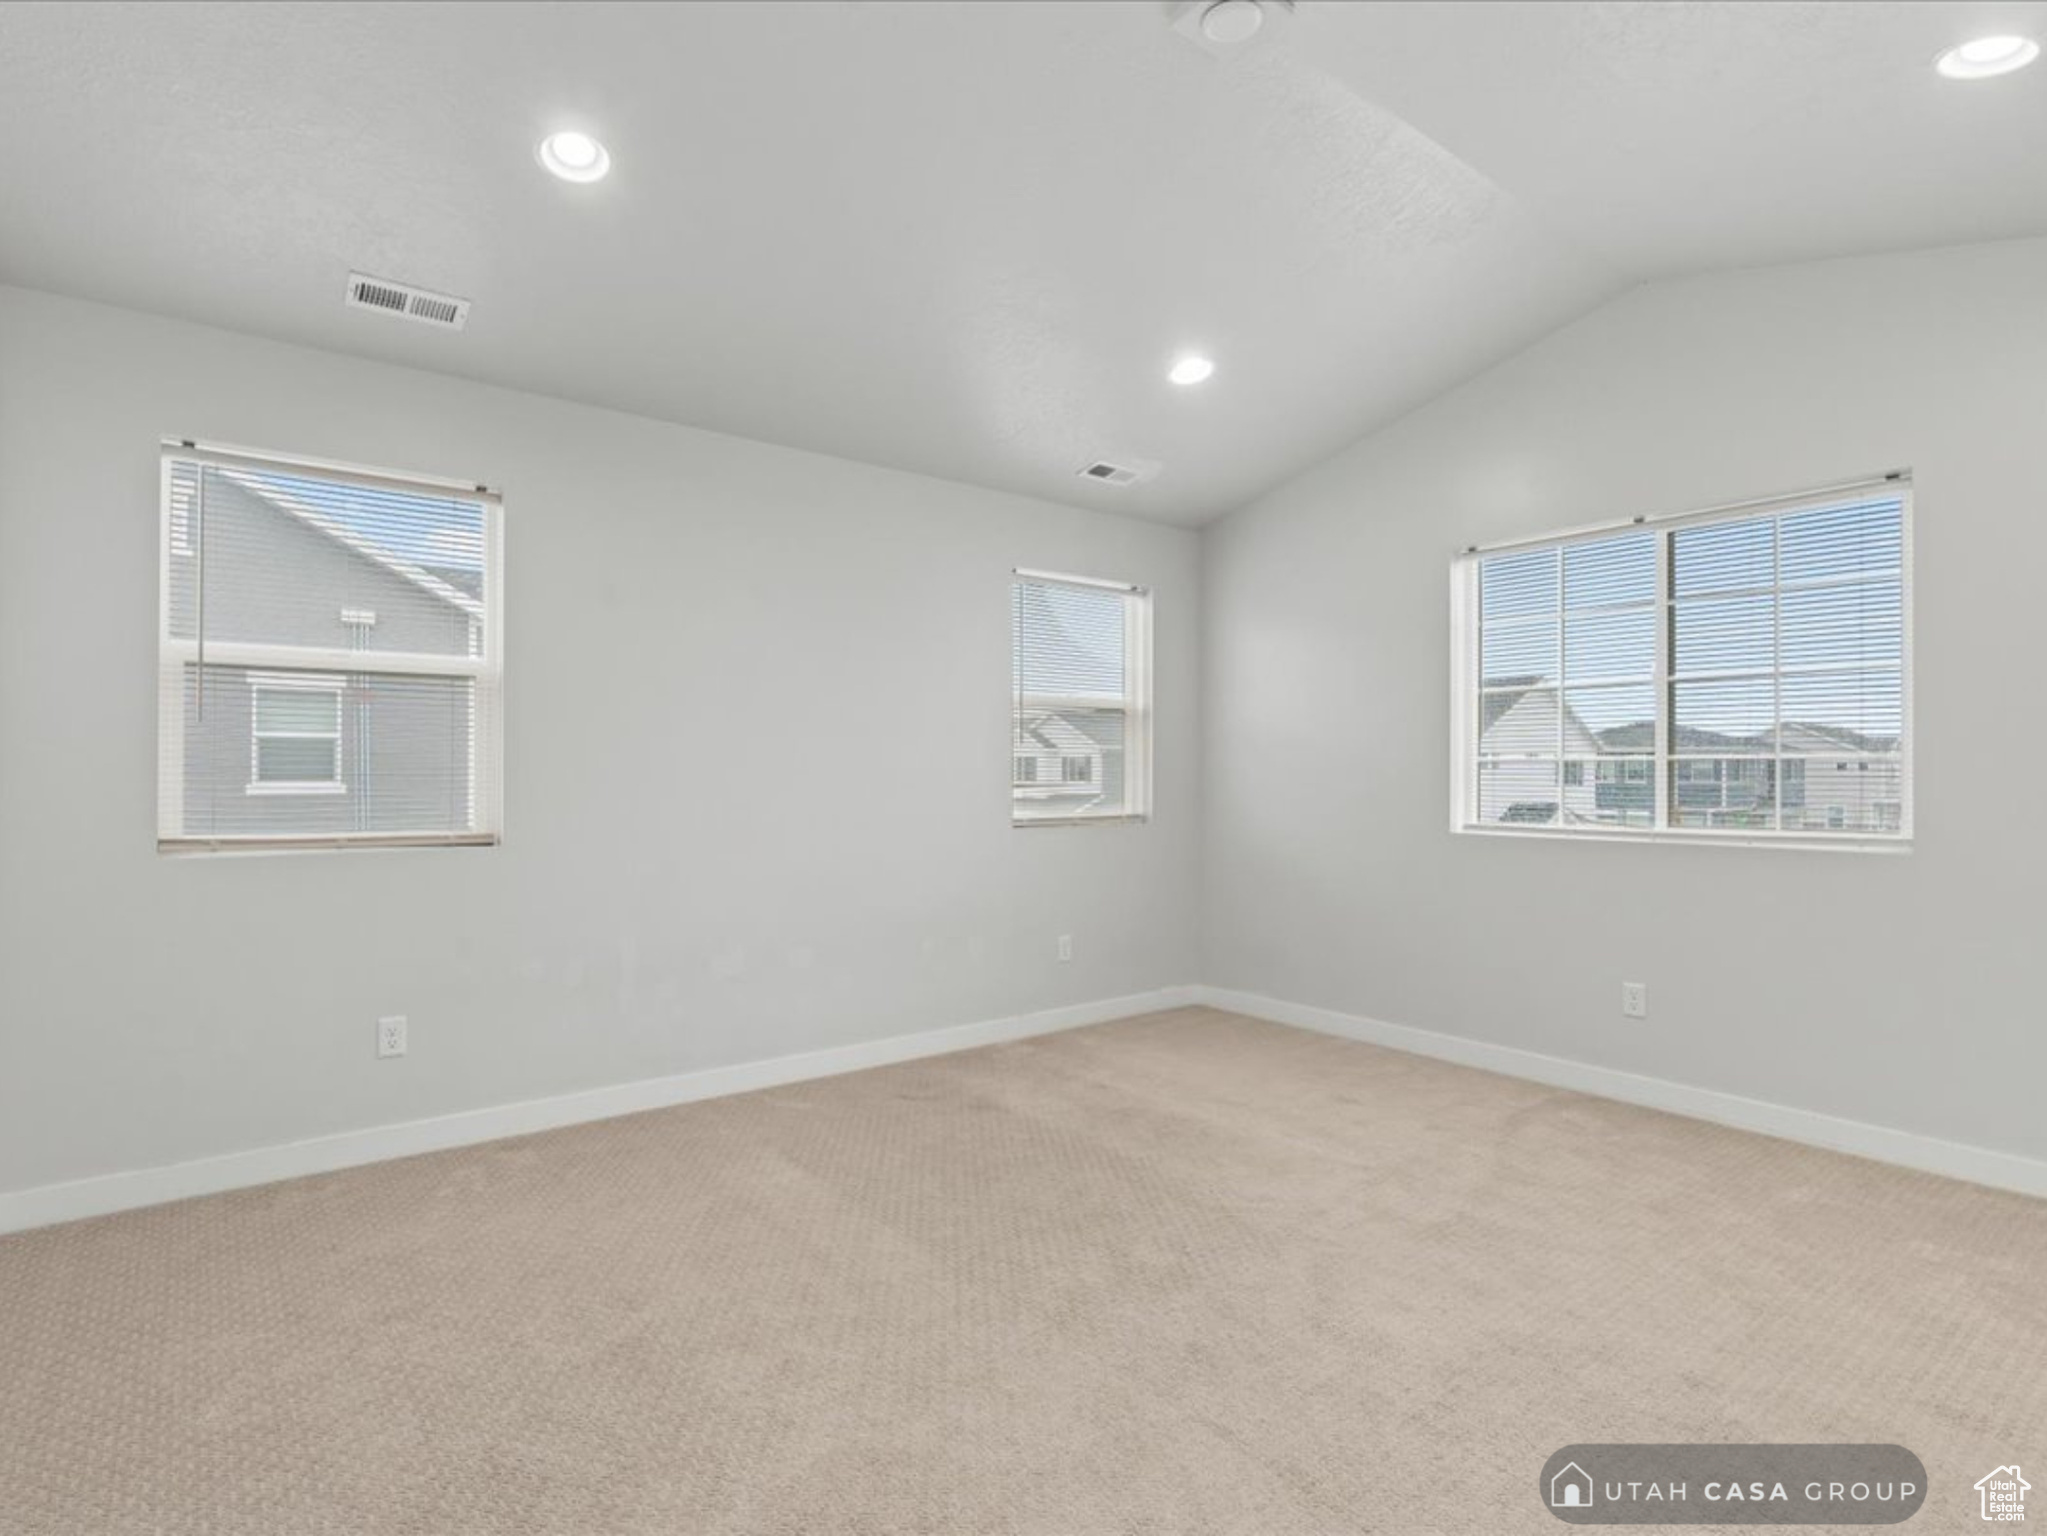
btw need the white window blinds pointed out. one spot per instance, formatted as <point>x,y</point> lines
<point>1080,683</point>
<point>329,658</point>
<point>1733,674</point>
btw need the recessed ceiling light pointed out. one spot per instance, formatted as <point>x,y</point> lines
<point>575,156</point>
<point>1191,370</point>
<point>1983,57</point>
<point>1232,21</point>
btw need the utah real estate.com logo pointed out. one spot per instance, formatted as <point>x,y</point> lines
<point>2004,1495</point>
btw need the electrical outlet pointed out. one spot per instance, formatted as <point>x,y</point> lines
<point>1634,1000</point>
<point>1065,946</point>
<point>391,1035</point>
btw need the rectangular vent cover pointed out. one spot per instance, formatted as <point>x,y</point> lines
<point>407,302</point>
<point>1107,472</point>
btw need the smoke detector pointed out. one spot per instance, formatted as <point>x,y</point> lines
<point>1224,27</point>
<point>1114,472</point>
<point>407,302</point>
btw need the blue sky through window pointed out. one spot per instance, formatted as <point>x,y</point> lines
<point>435,533</point>
<point>1795,618</point>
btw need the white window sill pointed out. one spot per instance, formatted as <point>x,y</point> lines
<point>1697,837</point>
<point>1118,820</point>
<point>324,843</point>
<point>298,789</point>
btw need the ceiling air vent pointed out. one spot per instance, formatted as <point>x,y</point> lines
<point>407,302</point>
<point>1106,472</point>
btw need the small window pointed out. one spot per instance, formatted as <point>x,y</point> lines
<point>295,735</point>
<point>1080,683</point>
<point>1735,672</point>
<point>328,656</point>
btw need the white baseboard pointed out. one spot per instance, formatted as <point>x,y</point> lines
<point>1929,1154</point>
<point>78,1198</point>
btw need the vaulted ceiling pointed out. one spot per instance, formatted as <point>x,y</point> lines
<point>969,238</point>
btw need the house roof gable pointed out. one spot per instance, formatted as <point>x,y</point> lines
<point>1055,734</point>
<point>436,584</point>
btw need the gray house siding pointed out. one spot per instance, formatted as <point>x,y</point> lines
<point>1044,741</point>
<point>403,759</point>
<point>247,537</point>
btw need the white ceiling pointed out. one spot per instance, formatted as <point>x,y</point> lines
<point>968,238</point>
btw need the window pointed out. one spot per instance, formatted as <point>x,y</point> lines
<point>1080,694</point>
<point>329,650</point>
<point>1739,674</point>
<point>295,734</point>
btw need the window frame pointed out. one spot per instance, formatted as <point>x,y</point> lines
<point>1136,706</point>
<point>484,668</point>
<point>293,682</point>
<point>1465,681</point>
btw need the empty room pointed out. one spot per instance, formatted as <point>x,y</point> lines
<point>1021,767</point>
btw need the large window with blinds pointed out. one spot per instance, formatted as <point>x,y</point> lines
<point>1080,684</point>
<point>1734,675</point>
<point>330,656</point>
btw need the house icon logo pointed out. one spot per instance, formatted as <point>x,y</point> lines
<point>1571,1488</point>
<point>2004,1495</point>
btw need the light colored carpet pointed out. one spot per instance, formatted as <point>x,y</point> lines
<point>1180,1274</point>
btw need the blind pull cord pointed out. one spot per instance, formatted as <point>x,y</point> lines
<point>199,532</point>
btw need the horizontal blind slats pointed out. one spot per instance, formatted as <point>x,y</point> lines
<point>285,592</point>
<point>1582,616</point>
<point>1786,648</point>
<point>1074,724</point>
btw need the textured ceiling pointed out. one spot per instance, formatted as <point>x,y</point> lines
<point>968,238</point>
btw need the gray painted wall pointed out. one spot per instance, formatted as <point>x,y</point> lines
<point>700,628</point>
<point>702,632</point>
<point>1893,989</point>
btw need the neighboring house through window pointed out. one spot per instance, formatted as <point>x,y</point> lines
<point>1080,723</point>
<point>1740,672</point>
<point>329,656</point>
